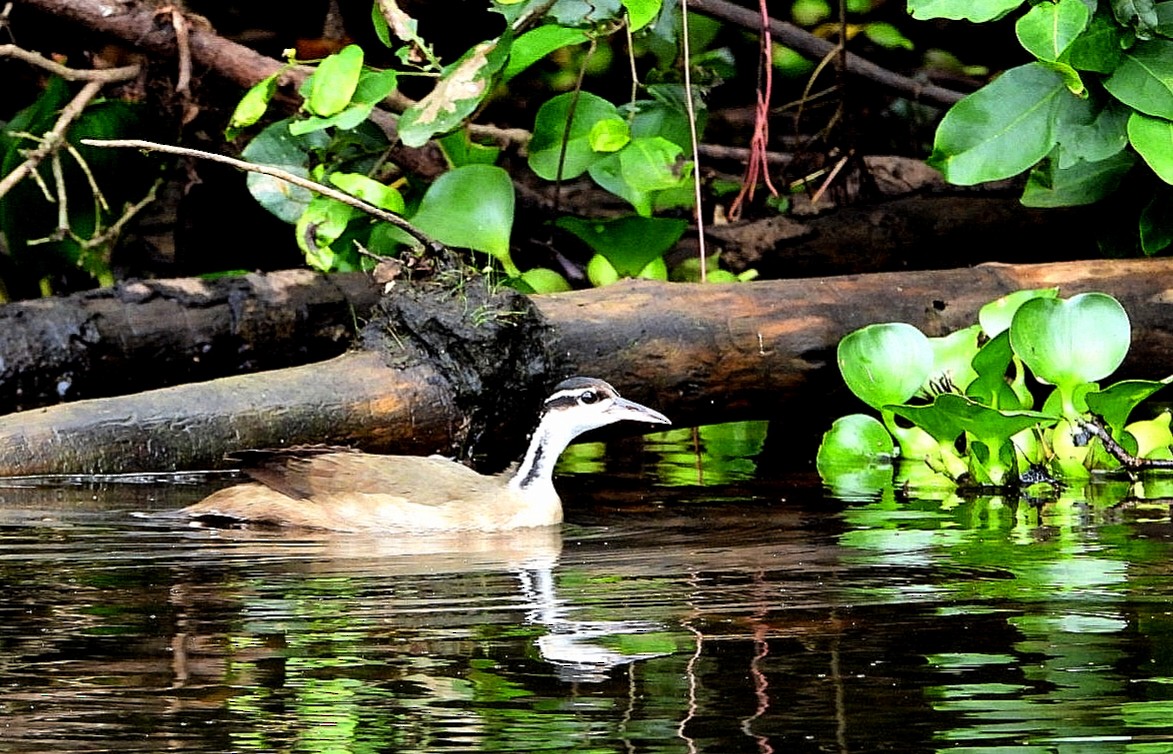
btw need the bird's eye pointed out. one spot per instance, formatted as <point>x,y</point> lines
<point>590,396</point>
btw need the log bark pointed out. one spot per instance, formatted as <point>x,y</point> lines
<point>147,334</point>
<point>698,353</point>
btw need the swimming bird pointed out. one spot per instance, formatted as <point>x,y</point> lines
<point>345,490</point>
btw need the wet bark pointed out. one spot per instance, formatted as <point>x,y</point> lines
<point>698,353</point>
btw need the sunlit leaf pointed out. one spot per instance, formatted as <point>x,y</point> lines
<point>378,194</point>
<point>471,207</point>
<point>334,81</point>
<point>1144,78</point>
<point>996,316</point>
<point>545,148</point>
<point>534,45</point>
<point>885,363</point>
<point>1048,29</point>
<point>1082,339</point>
<point>1153,140</point>
<point>463,87</point>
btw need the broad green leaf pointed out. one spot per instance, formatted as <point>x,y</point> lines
<point>1138,15</point>
<point>1082,183</point>
<point>952,361</point>
<point>1144,78</point>
<point>550,126</point>
<point>1115,403</point>
<point>666,115</point>
<point>629,243</point>
<point>996,316</point>
<point>994,386</point>
<point>1164,13</point>
<point>584,13</point>
<point>1153,436</point>
<point>532,46</point>
<point>951,414</point>
<point>1156,222</point>
<point>653,164</point>
<point>371,191</point>
<point>1002,129</point>
<point>325,219</point>
<point>277,147</point>
<point>1048,29</point>
<point>253,104</point>
<point>609,135</point>
<point>885,363</point>
<point>334,82</point>
<point>608,173</point>
<point>1082,339</point>
<point>471,207</point>
<point>640,13</point>
<point>372,88</point>
<point>856,439</point>
<point>544,280</point>
<point>457,94</point>
<point>1098,49</point>
<point>1152,138</point>
<point>967,10</point>
<point>1090,132</point>
<point>459,150</point>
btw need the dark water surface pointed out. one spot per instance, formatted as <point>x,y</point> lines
<point>743,617</point>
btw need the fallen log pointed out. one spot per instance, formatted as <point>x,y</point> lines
<point>141,335</point>
<point>699,353</point>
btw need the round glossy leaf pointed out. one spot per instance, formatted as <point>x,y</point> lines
<point>545,148</point>
<point>601,272</point>
<point>545,280</point>
<point>996,316</point>
<point>855,440</point>
<point>470,207</point>
<point>333,84</point>
<point>1153,437</point>
<point>885,363</point>
<point>1082,339</point>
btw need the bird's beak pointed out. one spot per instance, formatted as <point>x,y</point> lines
<point>622,409</point>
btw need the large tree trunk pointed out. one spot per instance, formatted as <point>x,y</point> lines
<point>698,353</point>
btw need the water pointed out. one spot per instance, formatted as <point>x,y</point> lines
<point>746,616</point>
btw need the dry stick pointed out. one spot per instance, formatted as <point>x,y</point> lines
<point>279,174</point>
<point>1130,462</point>
<point>65,72</point>
<point>815,47</point>
<point>696,157</point>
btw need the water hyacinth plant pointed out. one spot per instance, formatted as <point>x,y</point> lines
<point>960,409</point>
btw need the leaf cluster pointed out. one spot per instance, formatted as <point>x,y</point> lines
<point>1098,93</point>
<point>960,408</point>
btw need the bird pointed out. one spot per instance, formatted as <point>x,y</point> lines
<point>345,490</point>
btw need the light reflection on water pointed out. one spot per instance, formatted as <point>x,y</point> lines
<point>756,617</point>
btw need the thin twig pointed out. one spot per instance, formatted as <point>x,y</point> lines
<point>696,157</point>
<point>1095,426</point>
<point>107,75</point>
<point>282,175</point>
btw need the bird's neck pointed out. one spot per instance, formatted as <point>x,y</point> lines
<point>535,475</point>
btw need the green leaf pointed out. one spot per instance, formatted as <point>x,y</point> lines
<point>1082,339</point>
<point>888,36</point>
<point>277,147</point>
<point>325,220</point>
<point>334,82</point>
<point>996,316</point>
<point>544,280</point>
<point>532,46</point>
<point>1153,436</point>
<point>653,164</point>
<point>253,104</point>
<point>585,12</point>
<point>459,149</point>
<point>1049,28</point>
<point>1082,183</point>
<point>609,135</point>
<point>1164,13</point>
<point>628,243</point>
<point>1144,78</point>
<point>993,386</point>
<point>1152,138</point>
<point>1138,15</point>
<point>1099,48</point>
<point>856,439</point>
<point>1116,403</point>
<point>372,88</point>
<point>1003,128</point>
<point>1156,222</point>
<point>978,12</point>
<point>457,94</point>
<point>608,173</point>
<point>640,13</point>
<point>371,191</point>
<point>952,361</point>
<point>471,207</point>
<point>666,115</point>
<point>951,414</point>
<point>550,125</point>
<point>1090,132</point>
<point>886,363</point>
